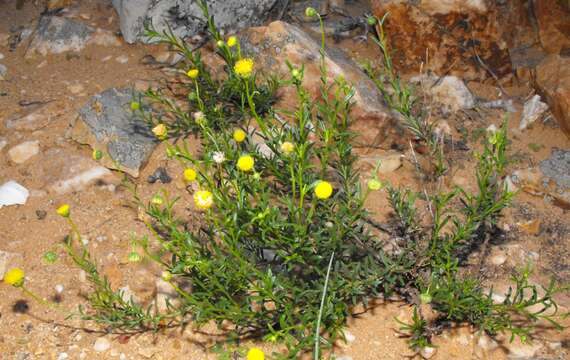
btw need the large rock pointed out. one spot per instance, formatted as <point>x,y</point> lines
<point>553,18</point>
<point>553,82</point>
<point>106,123</point>
<point>279,41</point>
<point>445,36</point>
<point>185,17</point>
<point>56,35</point>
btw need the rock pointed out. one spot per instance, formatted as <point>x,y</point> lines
<point>428,352</point>
<point>56,35</point>
<point>104,38</point>
<point>557,167</point>
<point>499,259</point>
<point>185,17</point>
<point>36,118</point>
<point>532,111</point>
<point>271,45</point>
<point>12,193</point>
<point>123,59</point>
<point>165,295</point>
<point>517,350</point>
<point>24,151</point>
<point>389,162</point>
<point>161,175</point>
<point>107,123</point>
<point>444,36</point>
<point>3,143</point>
<point>62,356</point>
<point>450,91</point>
<point>485,345</point>
<point>553,82</point>
<point>101,345</point>
<point>553,20</point>
<point>3,72</point>
<point>61,172</point>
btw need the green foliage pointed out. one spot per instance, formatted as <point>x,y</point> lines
<point>274,253</point>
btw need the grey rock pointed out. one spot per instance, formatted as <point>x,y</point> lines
<point>185,17</point>
<point>160,174</point>
<point>56,35</point>
<point>106,123</point>
<point>3,71</point>
<point>533,110</point>
<point>557,167</point>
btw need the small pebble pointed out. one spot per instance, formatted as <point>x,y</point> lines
<point>498,260</point>
<point>101,345</point>
<point>59,288</point>
<point>161,175</point>
<point>428,352</point>
<point>41,214</point>
<point>62,356</point>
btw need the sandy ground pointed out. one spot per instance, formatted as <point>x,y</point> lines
<point>108,219</point>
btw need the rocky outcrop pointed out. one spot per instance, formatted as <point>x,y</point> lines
<point>445,36</point>
<point>271,45</point>
<point>185,17</point>
<point>553,82</point>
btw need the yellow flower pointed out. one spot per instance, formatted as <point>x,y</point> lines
<point>232,41</point>
<point>255,354</point>
<point>160,131</point>
<point>157,200</point>
<point>203,199</point>
<point>245,163</point>
<point>244,68</point>
<point>189,174</point>
<point>374,184</point>
<point>287,147</point>
<point>193,73</point>
<point>15,277</point>
<point>239,135</point>
<point>323,190</point>
<point>63,210</point>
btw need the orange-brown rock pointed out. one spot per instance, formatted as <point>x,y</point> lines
<point>553,18</point>
<point>553,82</point>
<point>447,37</point>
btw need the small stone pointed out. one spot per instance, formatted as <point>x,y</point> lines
<point>59,288</point>
<point>75,88</point>
<point>517,350</point>
<point>428,352</point>
<point>498,260</point>
<point>24,151</point>
<point>101,345</point>
<point>3,143</point>
<point>343,357</point>
<point>41,214</point>
<point>147,352</point>
<point>449,90</point>
<point>532,111</point>
<point>62,356</point>
<point>56,35</point>
<point>123,59</point>
<point>161,175</point>
<point>531,227</point>
<point>12,193</point>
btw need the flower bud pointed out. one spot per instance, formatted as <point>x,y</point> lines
<point>310,12</point>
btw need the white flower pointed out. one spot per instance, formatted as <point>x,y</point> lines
<point>218,157</point>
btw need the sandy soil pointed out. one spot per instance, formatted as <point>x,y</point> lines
<point>108,219</point>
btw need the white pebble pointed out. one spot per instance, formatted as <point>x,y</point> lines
<point>62,356</point>
<point>59,288</point>
<point>101,345</point>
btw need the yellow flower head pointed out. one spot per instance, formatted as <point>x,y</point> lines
<point>189,174</point>
<point>157,200</point>
<point>232,41</point>
<point>193,73</point>
<point>160,131</point>
<point>239,135</point>
<point>287,147</point>
<point>63,210</point>
<point>244,68</point>
<point>374,184</point>
<point>323,190</point>
<point>245,163</point>
<point>255,354</point>
<point>203,199</point>
<point>15,277</point>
